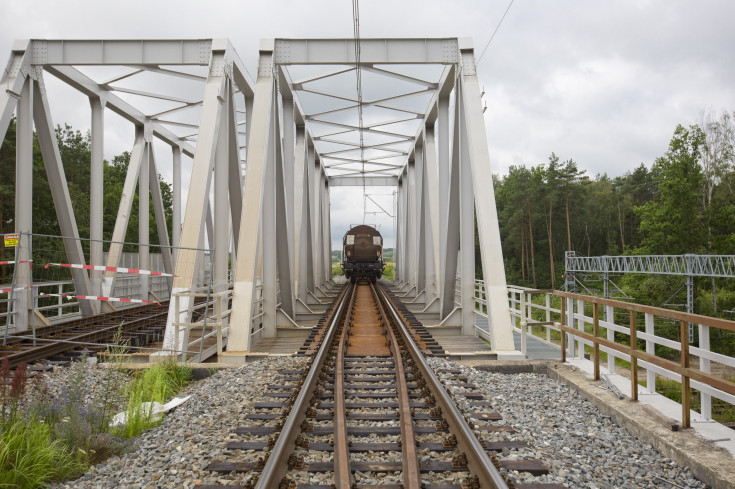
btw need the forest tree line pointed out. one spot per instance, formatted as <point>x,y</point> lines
<point>75,150</point>
<point>684,203</point>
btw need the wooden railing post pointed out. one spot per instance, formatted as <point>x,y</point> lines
<point>563,312</point>
<point>595,344</point>
<point>633,358</point>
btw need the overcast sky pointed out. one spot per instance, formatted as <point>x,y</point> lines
<point>602,82</point>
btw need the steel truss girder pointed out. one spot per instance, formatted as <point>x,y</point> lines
<point>693,265</point>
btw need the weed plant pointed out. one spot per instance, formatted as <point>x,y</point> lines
<point>46,438</point>
<point>155,384</point>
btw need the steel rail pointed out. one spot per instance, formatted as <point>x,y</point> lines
<point>341,456</point>
<point>89,321</point>
<point>478,461</point>
<point>275,467</point>
<point>45,351</point>
<point>409,455</point>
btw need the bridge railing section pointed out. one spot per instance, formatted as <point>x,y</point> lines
<point>629,335</point>
<point>213,310</point>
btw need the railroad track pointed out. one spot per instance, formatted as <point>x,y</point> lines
<point>139,326</point>
<point>368,412</point>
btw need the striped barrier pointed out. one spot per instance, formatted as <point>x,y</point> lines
<point>101,298</point>
<point>102,268</point>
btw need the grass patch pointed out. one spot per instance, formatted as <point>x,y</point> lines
<point>30,456</point>
<point>155,384</point>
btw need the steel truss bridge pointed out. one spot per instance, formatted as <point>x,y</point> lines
<point>265,152</point>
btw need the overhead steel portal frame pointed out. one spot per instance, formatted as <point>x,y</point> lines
<point>297,129</point>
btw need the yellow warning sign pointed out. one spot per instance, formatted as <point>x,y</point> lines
<point>11,240</point>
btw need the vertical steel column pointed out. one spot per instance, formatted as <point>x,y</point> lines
<point>326,232</point>
<point>197,203</point>
<point>144,181</point>
<point>443,172</point>
<point>24,203</point>
<point>176,214</point>
<point>96,186</point>
<point>300,213</point>
<point>419,217</point>
<point>221,216</point>
<point>467,228</point>
<point>259,135</point>
<point>309,216</point>
<point>268,224</point>
<point>449,183</point>
<point>283,178</point>
<point>487,215</point>
<point>431,190</point>
<point>397,253</point>
<point>431,218</point>
<point>411,244</point>
<point>316,222</point>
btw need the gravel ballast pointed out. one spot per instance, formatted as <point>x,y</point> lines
<point>176,453</point>
<point>583,448</point>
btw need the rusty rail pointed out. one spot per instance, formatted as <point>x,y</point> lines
<point>409,456</point>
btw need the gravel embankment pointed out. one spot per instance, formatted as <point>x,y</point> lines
<point>583,448</point>
<point>176,453</point>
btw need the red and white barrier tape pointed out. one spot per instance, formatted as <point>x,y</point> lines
<point>100,298</point>
<point>14,262</point>
<point>5,291</point>
<point>110,269</point>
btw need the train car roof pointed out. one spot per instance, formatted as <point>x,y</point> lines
<point>364,229</point>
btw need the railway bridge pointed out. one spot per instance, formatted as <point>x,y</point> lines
<point>264,154</point>
<point>244,268</point>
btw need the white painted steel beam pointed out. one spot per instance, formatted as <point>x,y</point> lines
<point>24,202</point>
<point>338,181</point>
<point>159,214</point>
<point>90,88</point>
<point>123,212</point>
<point>431,189</point>
<point>144,190</point>
<point>197,203</point>
<point>122,52</point>
<point>259,126</point>
<point>45,131</point>
<point>450,218</point>
<point>11,83</point>
<point>96,185</point>
<point>487,215</point>
<point>372,51</point>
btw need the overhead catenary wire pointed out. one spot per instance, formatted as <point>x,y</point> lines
<point>494,32</point>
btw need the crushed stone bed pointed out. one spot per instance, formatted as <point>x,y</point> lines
<point>175,454</point>
<point>583,448</point>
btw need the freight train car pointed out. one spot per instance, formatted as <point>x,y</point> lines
<point>362,254</point>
